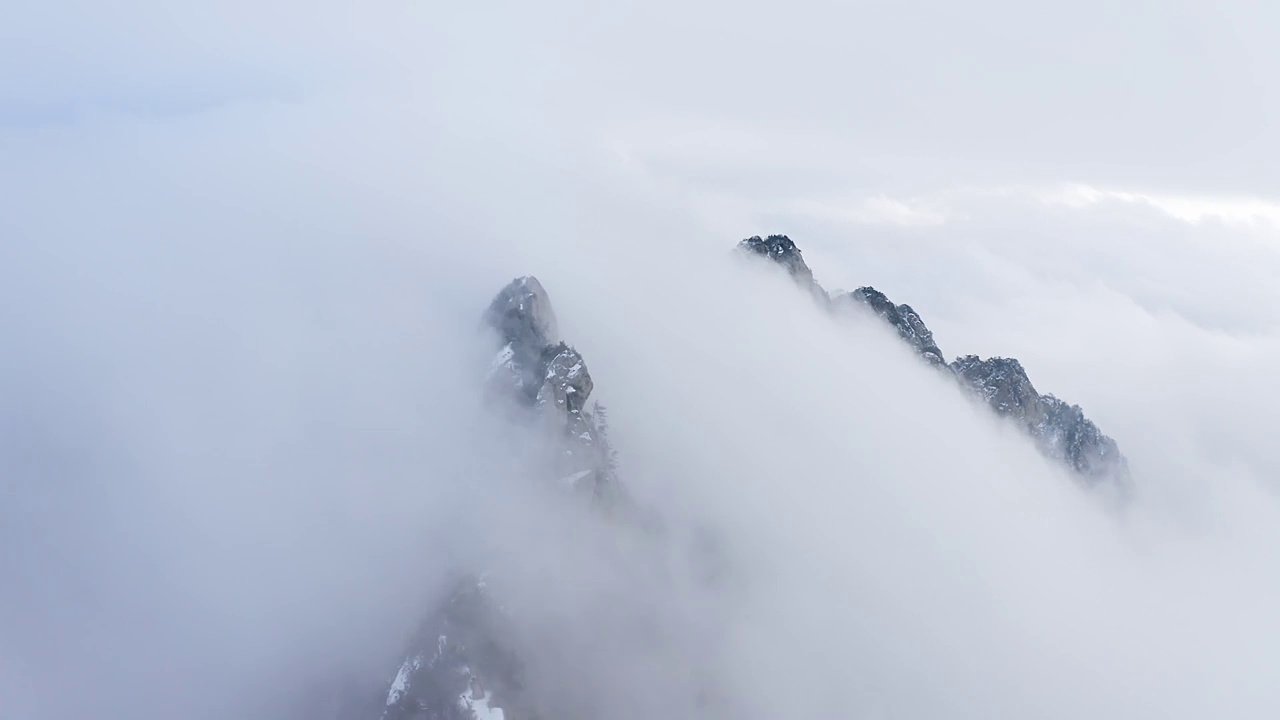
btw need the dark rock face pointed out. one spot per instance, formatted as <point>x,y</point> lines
<point>1001,382</point>
<point>566,384</point>
<point>548,378</point>
<point>1060,430</point>
<point>521,313</point>
<point>780,249</point>
<point>1068,434</point>
<point>904,319</point>
<point>458,667</point>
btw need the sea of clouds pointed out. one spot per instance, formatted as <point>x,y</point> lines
<point>243,256</point>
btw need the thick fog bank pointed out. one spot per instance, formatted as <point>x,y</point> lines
<point>237,467</point>
<point>244,446</point>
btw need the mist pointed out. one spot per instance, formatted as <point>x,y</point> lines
<point>245,447</point>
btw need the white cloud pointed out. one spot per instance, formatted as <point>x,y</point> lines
<point>238,428</point>
<point>875,210</point>
<point>1189,208</point>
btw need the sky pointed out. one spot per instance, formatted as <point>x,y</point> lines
<point>245,247</point>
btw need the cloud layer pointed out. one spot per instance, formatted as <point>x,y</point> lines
<point>242,445</point>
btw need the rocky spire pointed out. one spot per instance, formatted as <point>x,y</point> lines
<point>546,375</point>
<point>459,664</point>
<point>521,313</point>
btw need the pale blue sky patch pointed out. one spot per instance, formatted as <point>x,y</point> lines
<point>176,101</point>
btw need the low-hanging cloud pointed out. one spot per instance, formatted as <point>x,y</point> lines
<point>244,446</point>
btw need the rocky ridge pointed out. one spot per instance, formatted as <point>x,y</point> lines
<point>1059,429</point>
<point>459,664</point>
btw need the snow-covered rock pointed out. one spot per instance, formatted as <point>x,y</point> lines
<point>566,384</point>
<point>457,666</point>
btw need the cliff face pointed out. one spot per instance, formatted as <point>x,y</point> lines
<point>1059,429</point>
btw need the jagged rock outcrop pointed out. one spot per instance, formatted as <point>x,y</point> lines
<point>547,377</point>
<point>566,384</point>
<point>781,250</point>
<point>904,319</point>
<point>459,665</point>
<point>521,314</point>
<point>1001,382</point>
<point>1059,429</point>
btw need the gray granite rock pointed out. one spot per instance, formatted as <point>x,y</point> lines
<point>781,250</point>
<point>458,665</point>
<point>521,313</point>
<point>1059,429</point>
<point>903,318</point>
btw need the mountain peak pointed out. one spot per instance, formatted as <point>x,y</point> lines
<point>521,313</point>
<point>904,319</point>
<point>781,250</point>
<point>784,252</point>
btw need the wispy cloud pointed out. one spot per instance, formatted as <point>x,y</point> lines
<point>1189,208</point>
